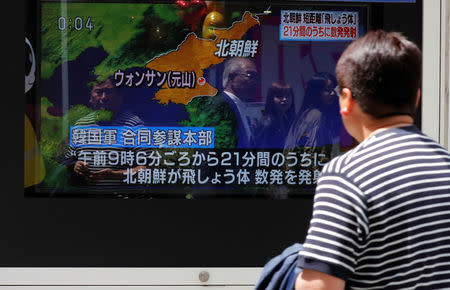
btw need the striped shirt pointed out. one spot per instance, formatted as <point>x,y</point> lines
<point>381,216</point>
<point>73,154</point>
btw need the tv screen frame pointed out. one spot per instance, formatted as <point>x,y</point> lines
<point>39,232</point>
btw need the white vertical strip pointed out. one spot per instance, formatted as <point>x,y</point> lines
<point>431,68</point>
<point>445,60</point>
<point>64,68</point>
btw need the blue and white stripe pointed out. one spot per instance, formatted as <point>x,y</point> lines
<point>381,216</point>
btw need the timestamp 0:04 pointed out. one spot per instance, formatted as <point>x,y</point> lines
<point>78,23</point>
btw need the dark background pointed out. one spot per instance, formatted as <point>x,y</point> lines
<point>70,232</point>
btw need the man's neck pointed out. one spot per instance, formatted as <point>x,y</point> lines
<point>370,126</point>
<point>237,95</point>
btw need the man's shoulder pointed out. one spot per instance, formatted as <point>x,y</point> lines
<point>392,151</point>
<point>89,119</point>
<point>216,107</point>
<point>337,164</point>
<point>226,98</point>
<point>128,118</point>
<point>207,100</point>
<point>222,102</point>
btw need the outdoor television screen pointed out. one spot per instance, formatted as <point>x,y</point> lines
<point>184,99</point>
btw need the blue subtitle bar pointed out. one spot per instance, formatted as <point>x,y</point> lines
<point>142,137</point>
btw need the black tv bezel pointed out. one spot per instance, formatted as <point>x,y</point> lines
<point>73,232</point>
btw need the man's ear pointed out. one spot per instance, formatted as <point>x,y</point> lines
<point>346,101</point>
<point>419,93</point>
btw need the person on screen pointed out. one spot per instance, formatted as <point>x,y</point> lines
<point>227,111</point>
<point>240,79</point>
<point>104,98</point>
<point>381,211</point>
<point>278,114</point>
<point>318,123</point>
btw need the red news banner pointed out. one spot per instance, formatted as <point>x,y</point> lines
<point>319,25</point>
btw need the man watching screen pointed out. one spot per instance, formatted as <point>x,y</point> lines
<point>381,215</point>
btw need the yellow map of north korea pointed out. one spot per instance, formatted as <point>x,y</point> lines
<point>196,54</point>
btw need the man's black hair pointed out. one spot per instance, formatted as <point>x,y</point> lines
<point>383,72</point>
